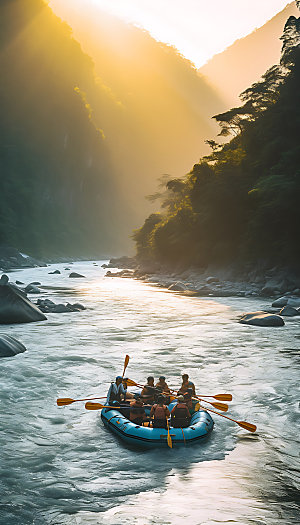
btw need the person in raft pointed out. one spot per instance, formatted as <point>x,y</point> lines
<point>180,415</point>
<point>186,385</point>
<point>160,413</point>
<point>149,391</point>
<point>162,385</point>
<point>128,395</point>
<point>137,412</point>
<point>190,403</point>
<point>116,393</point>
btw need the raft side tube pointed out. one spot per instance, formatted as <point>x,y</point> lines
<point>200,427</point>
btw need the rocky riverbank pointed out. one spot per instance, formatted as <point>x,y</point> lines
<point>215,282</point>
<point>11,259</point>
<point>282,286</point>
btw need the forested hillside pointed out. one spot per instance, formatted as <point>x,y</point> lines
<point>242,63</point>
<point>241,202</point>
<point>56,187</point>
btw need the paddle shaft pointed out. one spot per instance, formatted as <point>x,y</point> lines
<point>243,424</point>
<point>169,439</point>
<point>68,401</point>
<point>99,406</point>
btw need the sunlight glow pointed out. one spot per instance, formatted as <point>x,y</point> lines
<point>199,29</point>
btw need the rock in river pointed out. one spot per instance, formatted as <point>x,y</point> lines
<point>75,275</point>
<point>280,302</point>
<point>10,346</point>
<point>262,319</point>
<point>16,308</point>
<point>289,311</point>
<point>177,287</point>
<point>32,288</point>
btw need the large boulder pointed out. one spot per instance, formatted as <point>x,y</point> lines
<point>280,302</point>
<point>76,306</point>
<point>268,291</point>
<point>289,311</point>
<point>177,287</point>
<point>262,319</point>
<point>60,309</point>
<point>10,346</point>
<point>75,275</point>
<point>16,308</point>
<point>32,288</point>
<point>294,302</point>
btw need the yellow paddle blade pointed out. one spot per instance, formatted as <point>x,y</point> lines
<point>131,383</point>
<point>220,406</point>
<point>93,406</point>
<point>64,401</point>
<point>125,364</point>
<point>247,426</point>
<point>223,397</point>
<point>197,407</point>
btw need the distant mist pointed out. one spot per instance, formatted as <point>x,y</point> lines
<point>156,108</point>
<point>243,63</point>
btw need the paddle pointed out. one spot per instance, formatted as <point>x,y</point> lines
<point>68,400</point>
<point>169,439</point>
<point>218,406</point>
<point>98,406</point>
<point>125,364</point>
<point>221,397</point>
<point>243,424</point>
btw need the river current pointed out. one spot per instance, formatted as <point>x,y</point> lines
<point>60,466</point>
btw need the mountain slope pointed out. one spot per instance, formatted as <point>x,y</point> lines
<point>243,63</point>
<point>159,111</point>
<point>56,179</point>
<point>240,204</point>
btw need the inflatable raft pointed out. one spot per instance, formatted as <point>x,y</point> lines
<point>200,427</point>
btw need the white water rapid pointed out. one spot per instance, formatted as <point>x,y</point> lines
<point>60,466</point>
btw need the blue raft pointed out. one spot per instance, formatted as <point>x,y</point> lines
<point>200,427</point>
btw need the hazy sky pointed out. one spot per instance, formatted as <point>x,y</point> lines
<point>198,28</point>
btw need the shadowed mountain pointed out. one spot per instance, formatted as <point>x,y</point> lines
<point>243,63</point>
<point>57,185</point>
<point>239,205</point>
<point>157,111</point>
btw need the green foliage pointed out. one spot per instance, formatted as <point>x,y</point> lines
<point>241,202</point>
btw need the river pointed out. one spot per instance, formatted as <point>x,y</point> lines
<point>60,466</point>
